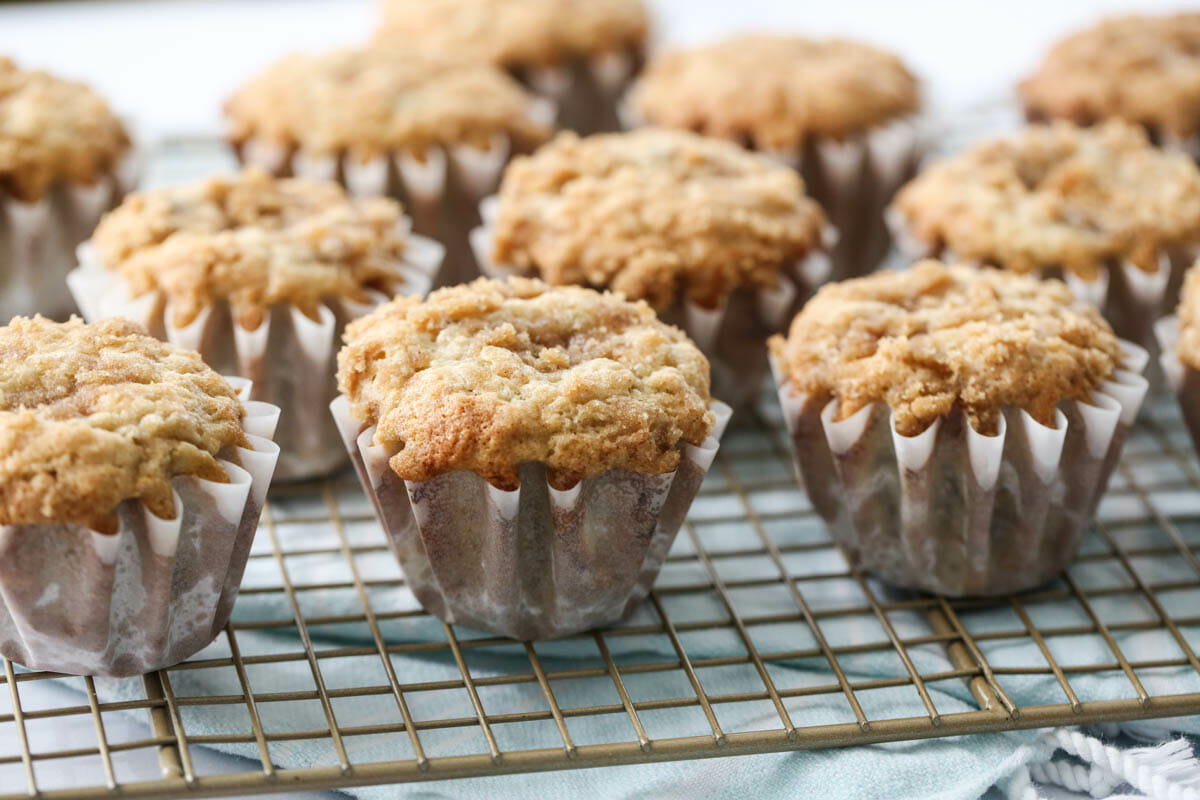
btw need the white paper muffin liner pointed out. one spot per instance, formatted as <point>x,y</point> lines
<point>731,336</point>
<point>290,358</point>
<point>38,240</point>
<point>150,595</point>
<point>536,562</point>
<point>440,189</point>
<point>853,180</point>
<point>955,512</point>
<point>586,91</point>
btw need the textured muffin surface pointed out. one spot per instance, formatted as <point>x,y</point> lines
<point>1189,318</point>
<point>934,337</point>
<point>775,91</point>
<point>253,241</point>
<point>492,374</point>
<point>1143,69</point>
<point>1058,195</point>
<point>515,32</point>
<point>53,130</point>
<point>91,415</point>
<point>377,101</point>
<point>653,214</point>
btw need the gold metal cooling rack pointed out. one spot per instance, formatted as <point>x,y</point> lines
<point>759,637</point>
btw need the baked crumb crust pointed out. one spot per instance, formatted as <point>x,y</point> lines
<point>515,33</point>
<point>775,91</point>
<point>253,241</point>
<point>489,375</point>
<point>91,415</point>
<point>1058,196</point>
<point>377,101</point>
<point>53,130</point>
<point>653,214</point>
<point>934,337</point>
<point>1143,69</point>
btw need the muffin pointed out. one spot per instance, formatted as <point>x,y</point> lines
<point>1099,207</point>
<point>581,54</point>
<point>260,274</point>
<point>432,133</point>
<point>956,426</point>
<point>64,160</point>
<point>1179,341</point>
<point>1144,70</point>
<point>130,489</point>
<point>722,242</point>
<point>531,451</point>
<point>841,112</point>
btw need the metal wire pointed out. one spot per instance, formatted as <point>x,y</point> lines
<point>751,536</point>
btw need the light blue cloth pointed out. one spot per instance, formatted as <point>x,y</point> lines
<point>961,767</point>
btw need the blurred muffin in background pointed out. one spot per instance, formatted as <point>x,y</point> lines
<point>841,112</point>
<point>431,132</point>
<point>65,159</point>
<point>1141,69</point>
<point>720,241</point>
<point>579,53</point>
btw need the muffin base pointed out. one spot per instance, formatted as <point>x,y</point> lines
<point>534,563</point>
<point>152,594</point>
<point>954,512</point>
<point>585,90</point>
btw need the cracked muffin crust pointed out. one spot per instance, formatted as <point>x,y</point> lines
<point>934,337</point>
<point>489,375</point>
<point>53,130</point>
<point>653,214</point>
<point>253,241</point>
<point>1143,69</point>
<point>1058,195</point>
<point>374,102</point>
<point>516,33</point>
<point>776,91</point>
<point>91,415</point>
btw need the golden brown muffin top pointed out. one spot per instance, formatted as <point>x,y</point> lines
<point>653,214</point>
<point>253,241</point>
<point>91,415</point>
<point>53,130</point>
<point>774,91</point>
<point>934,337</point>
<point>514,33</point>
<point>1143,69</point>
<point>1058,195</point>
<point>489,375</point>
<point>1189,318</point>
<point>375,102</point>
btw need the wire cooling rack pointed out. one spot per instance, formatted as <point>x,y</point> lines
<point>759,637</point>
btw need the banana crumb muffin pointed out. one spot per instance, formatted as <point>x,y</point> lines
<point>91,415</point>
<point>1189,319</point>
<point>490,375</point>
<point>1142,69</point>
<point>937,337</point>
<point>53,130</point>
<point>254,241</point>
<point>1058,196</point>
<point>657,215</point>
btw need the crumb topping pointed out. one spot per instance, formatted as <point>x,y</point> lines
<point>1058,195</point>
<point>515,33</point>
<point>253,241</point>
<point>91,415</point>
<point>53,130</point>
<point>1143,69</point>
<point>374,102</point>
<point>775,91</point>
<point>653,214</point>
<point>489,375</point>
<point>930,338</point>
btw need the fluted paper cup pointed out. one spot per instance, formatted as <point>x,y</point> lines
<point>536,562</point>
<point>732,336</point>
<point>83,602</point>
<point>586,91</point>
<point>955,512</point>
<point>1183,379</point>
<point>290,358</point>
